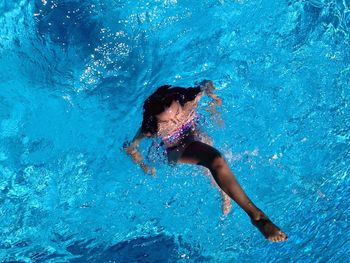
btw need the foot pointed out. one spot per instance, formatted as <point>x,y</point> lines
<point>269,229</point>
<point>226,204</point>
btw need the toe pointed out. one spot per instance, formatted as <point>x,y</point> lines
<point>283,236</point>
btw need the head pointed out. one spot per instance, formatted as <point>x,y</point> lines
<point>162,105</point>
<point>170,113</point>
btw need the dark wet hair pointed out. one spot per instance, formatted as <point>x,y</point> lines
<point>159,101</point>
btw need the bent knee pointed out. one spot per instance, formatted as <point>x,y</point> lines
<point>217,163</point>
<point>213,160</point>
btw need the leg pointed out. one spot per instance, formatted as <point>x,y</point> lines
<point>226,201</point>
<point>202,154</point>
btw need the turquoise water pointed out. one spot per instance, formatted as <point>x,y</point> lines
<point>73,77</point>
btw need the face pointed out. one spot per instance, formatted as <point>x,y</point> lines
<point>171,114</point>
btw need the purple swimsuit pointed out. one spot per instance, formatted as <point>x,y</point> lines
<point>180,139</point>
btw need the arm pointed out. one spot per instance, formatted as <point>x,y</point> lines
<point>137,139</point>
<point>131,149</point>
<point>207,86</point>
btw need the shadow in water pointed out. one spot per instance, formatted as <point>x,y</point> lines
<point>69,23</point>
<point>159,248</point>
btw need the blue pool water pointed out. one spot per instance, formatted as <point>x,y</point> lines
<point>73,77</point>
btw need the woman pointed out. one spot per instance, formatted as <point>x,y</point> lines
<point>170,114</point>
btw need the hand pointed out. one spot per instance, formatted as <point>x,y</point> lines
<point>207,86</point>
<point>148,170</point>
<point>131,150</point>
<point>126,146</point>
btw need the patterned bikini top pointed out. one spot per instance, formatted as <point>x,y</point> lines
<point>174,136</point>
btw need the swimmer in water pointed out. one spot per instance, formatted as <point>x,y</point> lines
<point>170,113</point>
